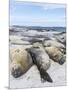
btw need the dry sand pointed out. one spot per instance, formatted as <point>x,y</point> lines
<point>32,79</point>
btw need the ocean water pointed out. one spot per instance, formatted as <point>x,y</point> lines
<point>37,28</point>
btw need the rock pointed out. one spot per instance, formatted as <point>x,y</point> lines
<point>17,40</point>
<point>61,38</point>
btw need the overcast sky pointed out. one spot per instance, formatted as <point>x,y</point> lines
<point>36,14</point>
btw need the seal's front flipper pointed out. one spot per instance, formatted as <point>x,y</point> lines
<point>45,76</point>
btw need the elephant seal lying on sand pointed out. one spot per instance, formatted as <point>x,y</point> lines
<point>55,54</point>
<point>20,62</point>
<point>60,46</point>
<point>53,43</point>
<point>41,60</point>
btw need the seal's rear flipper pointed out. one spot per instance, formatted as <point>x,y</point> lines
<point>45,76</point>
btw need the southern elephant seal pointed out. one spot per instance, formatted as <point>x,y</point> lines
<point>55,54</point>
<point>20,62</point>
<point>41,60</point>
<point>60,46</point>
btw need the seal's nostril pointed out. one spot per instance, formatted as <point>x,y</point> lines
<point>62,61</point>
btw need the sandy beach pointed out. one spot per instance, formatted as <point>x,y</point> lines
<point>31,79</point>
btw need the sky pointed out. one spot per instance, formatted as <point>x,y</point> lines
<point>37,14</point>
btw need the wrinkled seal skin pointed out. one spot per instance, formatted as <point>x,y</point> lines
<point>54,43</point>
<point>55,54</point>
<point>20,63</point>
<point>42,61</point>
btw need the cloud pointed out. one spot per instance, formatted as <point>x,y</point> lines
<point>45,6</point>
<point>52,6</point>
<point>47,18</point>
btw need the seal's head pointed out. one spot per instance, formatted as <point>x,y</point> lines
<point>62,60</point>
<point>16,70</point>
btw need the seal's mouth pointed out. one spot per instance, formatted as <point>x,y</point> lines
<point>16,72</point>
